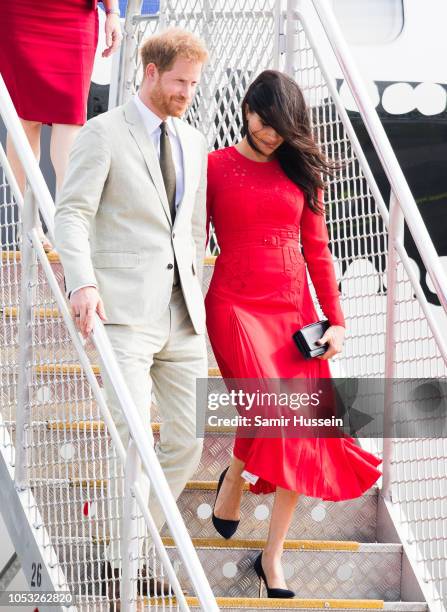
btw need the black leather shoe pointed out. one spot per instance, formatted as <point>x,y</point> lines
<point>149,586</point>
<point>226,528</point>
<point>271,593</point>
<point>146,586</point>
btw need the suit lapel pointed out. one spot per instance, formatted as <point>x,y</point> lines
<point>146,146</point>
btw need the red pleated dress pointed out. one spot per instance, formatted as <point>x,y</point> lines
<point>258,297</point>
<point>47,50</point>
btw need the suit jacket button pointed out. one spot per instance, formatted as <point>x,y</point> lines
<point>170,266</point>
<point>173,235</point>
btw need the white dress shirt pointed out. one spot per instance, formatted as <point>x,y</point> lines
<point>152,124</point>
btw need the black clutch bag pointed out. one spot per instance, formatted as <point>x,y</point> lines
<point>306,337</point>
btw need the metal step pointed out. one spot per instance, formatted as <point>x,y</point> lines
<point>56,333</point>
<point>51,371</point>
<point>326,569</point>
<point>11,266</point>
<point>239,604</point>
<point>80,449</point>
<point>58,342</point>
<point>337,566</point>
<point>82,504</point>
<point>313,519</point>
<point>230,604</point>
<point>313,569</point>
<point>54,383</point>
<point>83,451</point>
<point>11,270</point>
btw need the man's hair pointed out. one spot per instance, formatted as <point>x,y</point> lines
<point>164,48</point>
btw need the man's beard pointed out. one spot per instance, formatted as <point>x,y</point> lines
<point>169,105</point>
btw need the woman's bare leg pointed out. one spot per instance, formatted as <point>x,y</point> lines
<point>62,138</point>
<point>228,501</point>
<point>282,513</point>
<point>32,131</point>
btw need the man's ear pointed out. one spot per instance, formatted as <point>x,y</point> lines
<point>151,71</point>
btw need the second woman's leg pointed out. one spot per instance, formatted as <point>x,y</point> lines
<point>282,513</point>
<point>62,138</point>
<point>32,130</point>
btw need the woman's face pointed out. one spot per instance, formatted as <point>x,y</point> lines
<point>264,136</point>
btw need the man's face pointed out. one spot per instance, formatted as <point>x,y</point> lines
<point>172,91</point>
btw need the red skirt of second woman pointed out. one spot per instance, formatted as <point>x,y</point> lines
<point>47,50</point>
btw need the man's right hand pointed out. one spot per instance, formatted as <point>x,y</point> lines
<point>84,303</point>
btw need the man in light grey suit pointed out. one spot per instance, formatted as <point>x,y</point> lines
<point>130,232</point>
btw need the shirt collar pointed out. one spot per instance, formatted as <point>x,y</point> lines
<point>150,119</point>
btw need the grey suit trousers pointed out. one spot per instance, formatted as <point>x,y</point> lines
<point>164,357</point>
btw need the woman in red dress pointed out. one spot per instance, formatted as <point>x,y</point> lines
<point>264,198</point>
<point>47,50</point>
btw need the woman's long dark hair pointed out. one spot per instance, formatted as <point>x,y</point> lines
<point>279,102</point>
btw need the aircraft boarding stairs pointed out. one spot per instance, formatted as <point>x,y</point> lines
<point>333,558</point>
<point>58,441</point>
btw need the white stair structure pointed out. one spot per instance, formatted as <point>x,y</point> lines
<point>385,550</point>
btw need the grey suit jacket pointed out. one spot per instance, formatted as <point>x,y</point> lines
<point>113,226</point>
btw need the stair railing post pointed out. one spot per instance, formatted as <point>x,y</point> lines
<point>28,282</point>
<point>291,37</point>
<point>129,47</point>
<point>129,530</point>
<point>395,233</point>
<point>278,35</point>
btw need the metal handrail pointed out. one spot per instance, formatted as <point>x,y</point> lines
<point>103,346</point>
<point>395,241</point>
<point>382,146</point>
<point>403,208</point>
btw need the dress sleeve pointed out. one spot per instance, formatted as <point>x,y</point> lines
<point>315,243</point>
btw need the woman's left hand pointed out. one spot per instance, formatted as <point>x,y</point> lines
<point>334,336</point>
<point>113,34</point>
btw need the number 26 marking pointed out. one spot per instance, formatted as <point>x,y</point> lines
<point>36,576</point>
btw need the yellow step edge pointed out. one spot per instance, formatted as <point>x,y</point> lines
<point>76,406</point>
<point>289,604</point>
<point>259,545</point>
<point>220,543</point>
<point>74,368</point>
<point>76,425</point>
<point>74,482</point>
<point>88,482</point>
<point>206,485</point>
<point>85,426</point>
<point>192,485</point>
<point>62,368</point>
<point>41,312</point>
<point>95,425</point>
<point>53,257</point>
<point>288,544</point>
<point>11,255</point>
